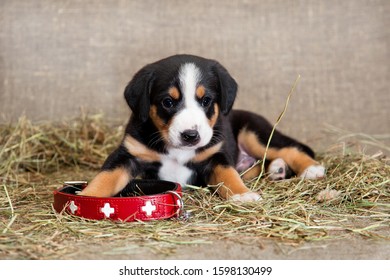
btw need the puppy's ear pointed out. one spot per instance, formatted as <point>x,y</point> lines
<point>227,88</point>
<point>137,93</point>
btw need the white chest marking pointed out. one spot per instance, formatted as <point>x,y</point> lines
<point>173,166</point>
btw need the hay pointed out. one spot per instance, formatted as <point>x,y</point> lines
<point>354,199</point>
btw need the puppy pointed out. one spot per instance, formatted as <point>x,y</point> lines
<point>183,129</point>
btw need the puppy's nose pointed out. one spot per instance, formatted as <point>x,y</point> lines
<point>190,137</point>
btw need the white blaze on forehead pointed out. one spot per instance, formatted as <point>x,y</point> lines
<point>189,77</point>
<point>192,116</point>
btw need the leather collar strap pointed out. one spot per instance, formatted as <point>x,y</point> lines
<point>141,200</point>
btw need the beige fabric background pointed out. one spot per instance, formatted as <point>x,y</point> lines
<point>56,56</point>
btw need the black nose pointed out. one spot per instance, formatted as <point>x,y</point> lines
<point>190,137</point>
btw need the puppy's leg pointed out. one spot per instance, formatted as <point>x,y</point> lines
<point>277,169</point>
<point>107,183</point>
<point>297,156</point>
<point>253,139</point>
<point>115,175</point>
<point>230,185</point>
<point>301,163</point>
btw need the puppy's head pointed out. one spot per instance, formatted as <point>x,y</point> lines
<point>183,96</point>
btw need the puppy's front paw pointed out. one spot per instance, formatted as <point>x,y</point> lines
<point>314,172</point>
<point>246,197</point>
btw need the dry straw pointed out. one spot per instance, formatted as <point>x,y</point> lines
<point>354,199</point>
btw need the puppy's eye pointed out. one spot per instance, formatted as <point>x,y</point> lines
<point>205,102</point>
<point>168,103</point>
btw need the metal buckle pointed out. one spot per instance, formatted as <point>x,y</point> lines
<point>181,213</point>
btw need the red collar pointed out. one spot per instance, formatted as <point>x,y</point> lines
<point>141,200</point>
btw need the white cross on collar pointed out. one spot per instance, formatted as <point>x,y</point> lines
<point>149,208</point>
<point>107,210</point>
<point>73,207</point>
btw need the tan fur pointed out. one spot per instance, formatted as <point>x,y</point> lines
<point>107,183</point>
<point>200,92</point>
<point>174,93</point>
<point>228,181</point>
<point>214,118</point>
<point>158,122</point>
<point>253,172</point>
<point>298,161</point>
<point>207,153</point>
<point>139,150</point>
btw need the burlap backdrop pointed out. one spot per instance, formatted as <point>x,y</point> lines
<point>56,56</point>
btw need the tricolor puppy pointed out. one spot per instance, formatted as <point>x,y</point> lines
<point>183,129</point>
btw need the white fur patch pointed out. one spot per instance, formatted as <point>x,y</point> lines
<point>189,77</point>
<point>277,169</point>
<point>246,197</point>
<point>173,166</point>
<point>192,116</point>
<point>314,172</point>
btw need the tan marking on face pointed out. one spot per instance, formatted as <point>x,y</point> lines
<point>174,93</point>
<point>139,150</point>
<point>207,153</point>
<point>200,92</point>
<point>214,118</point>
<point>158,122</point>
<point>297,160</point>
<point>107,183</point>
<point>228,181</point>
